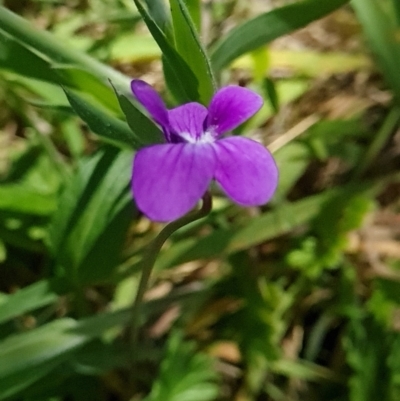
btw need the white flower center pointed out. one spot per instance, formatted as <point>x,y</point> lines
<point>205,137</point>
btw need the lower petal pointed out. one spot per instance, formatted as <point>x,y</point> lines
<point>168,180</point>
<point>245,170</point>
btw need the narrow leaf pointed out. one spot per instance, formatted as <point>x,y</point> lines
<point>102,124</point>
<point>26,300</point>
<point>382,33</point>
<point>180,74</point>
<point>141,125</point>
<point>161,16</point>
<point>269,26</point>
<point>48,46</point>
<point>190,48</point>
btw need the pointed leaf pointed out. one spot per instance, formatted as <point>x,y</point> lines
<point>190,48</point>
<point>27,299</point>
<point>269,26</point>
<point>48,46</point>
<point>141,125</point>
<point>102,124</point>
<point>180,75</point>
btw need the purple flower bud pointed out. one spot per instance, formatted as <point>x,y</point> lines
<point>169,179</point>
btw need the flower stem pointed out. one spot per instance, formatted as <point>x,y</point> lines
<point>149,260</point>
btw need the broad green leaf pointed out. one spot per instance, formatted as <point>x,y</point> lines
<point>101,123</point>
<point>26,300</point>
<point>269,26</point>
<point>381,30</point>
<point>141,125</point>
<point>190,48</point>
<point>181,80</point>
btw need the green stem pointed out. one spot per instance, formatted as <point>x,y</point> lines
<point>149,260</point>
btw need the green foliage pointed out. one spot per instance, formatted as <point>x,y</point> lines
<point>188,44</point>
<point>108,127</point>
<point>181,80</point>
<point>266,27</point>
<point>380,23</point>
<point>184,374</point>
<point>94,212</point>
<point>297,299</point>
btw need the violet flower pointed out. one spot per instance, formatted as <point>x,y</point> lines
<point>170,178</point>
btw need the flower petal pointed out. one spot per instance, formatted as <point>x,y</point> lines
<point>245,170</point>
<point>151,100</point>
<point>231,106</point>
<point>188,120</point>
<point>169,179</point>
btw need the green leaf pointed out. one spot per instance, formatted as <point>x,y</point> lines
<point>396,6</point>
<point>185,375</point>
<point>159,12</point>
<point>269,26</point>
<point>48,46</point>
<point>26,300</point>
<point>87,231</point>
<point>381,31</point>
<point>141,125</point>
<point>24,199</point>
<point>101,123</point>
<point>190,48</point>
<point>181,80</point>
<point>256,230</point>
<point>86,82</point>
<point>194,8</point>
<point>368,347</point>
<point>28,356</point>
<point>297,156</point>
<point>232,239</point>
<point>34,66</point>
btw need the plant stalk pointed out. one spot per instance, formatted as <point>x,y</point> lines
<point>149,260</point>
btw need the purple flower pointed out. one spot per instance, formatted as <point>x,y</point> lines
<point>170,178</point>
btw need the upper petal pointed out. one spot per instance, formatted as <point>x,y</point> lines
<point>245,170</point>
<point>231,106</point>
<point>151,100</point>
<point>188,120</point>
<point>169,179</point>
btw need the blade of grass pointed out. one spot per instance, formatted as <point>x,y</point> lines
<point>49,46</point>
<point>269,26</point>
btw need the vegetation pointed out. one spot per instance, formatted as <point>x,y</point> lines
<point>295,300</point>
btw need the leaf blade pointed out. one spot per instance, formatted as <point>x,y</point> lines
<point>269,26</point>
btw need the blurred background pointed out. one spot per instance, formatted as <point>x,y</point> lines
<point>296,300</point>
